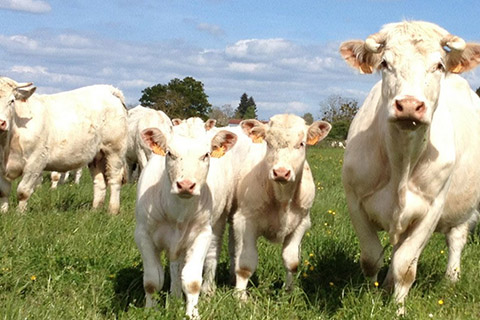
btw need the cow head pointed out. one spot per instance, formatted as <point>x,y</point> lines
<point>413,58</point>
<point>187,158</point>
<point>10,93</point>
<point>286,136</point>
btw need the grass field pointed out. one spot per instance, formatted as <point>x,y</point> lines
<point>62,260</point>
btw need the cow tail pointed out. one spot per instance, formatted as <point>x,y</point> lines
<point>119,94</point>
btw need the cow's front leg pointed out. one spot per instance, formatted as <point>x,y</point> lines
<point>176,267</point>
<point>213,254</point>
<point>246,255</point>
<point>291,251</point>
<point>5,187</point>
<point>192,270</point>
<point>31,176</point>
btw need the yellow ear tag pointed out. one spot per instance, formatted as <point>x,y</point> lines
<point>313,140</point>
<point>218,152</point>
<point>257,139</point>
<point>457,69</point>
<point>157,150</point>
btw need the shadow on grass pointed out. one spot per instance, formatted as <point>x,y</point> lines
<point>128,288</point>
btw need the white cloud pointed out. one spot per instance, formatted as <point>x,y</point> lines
<point>32,6</point>
<point>262,49</point>
<point>212,29</point>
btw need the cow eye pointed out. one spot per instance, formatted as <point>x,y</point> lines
<point>300,145</point>
<point>206,156</point>
<point>171,155</point>
<point>384,65</point>
<point>439,67</point>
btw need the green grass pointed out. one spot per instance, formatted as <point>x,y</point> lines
<point>62,260</point>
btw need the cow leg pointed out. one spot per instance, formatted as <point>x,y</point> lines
<point>176,267</point>
<point>78,176</point>
<point>31,176</point>
<point>192,270</point>
<point>153,274</point>
<point>213,254</point>
<point>246,254</point>
<point>5,187</point>
<point>371,250</point>
<point>115,172</point>
<point>456,240</point>
<point>97,169</point>
<point>291,251</point>
<point>55,177</point>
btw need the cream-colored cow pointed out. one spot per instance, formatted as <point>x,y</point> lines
<point>61,132</point>
<point>411,162</point>
<point>184,195</point>
<point>275,192</point>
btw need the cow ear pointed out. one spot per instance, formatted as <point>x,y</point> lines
<point>222,142</point>
<point>317,131</point>
<point>254,129</point>
<point>155,140</point>
<point>23,93</point>
<point>210,123</point>
<point>176,121</point>
<point>358,56</point>
<point>464,60</point>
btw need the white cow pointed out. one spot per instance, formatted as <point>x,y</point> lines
<point>411,162</point>
<point>275,193</point>
<point>61,132</point>
<point>62,177</point>
<point>183,197</point>
<point>140,118</point>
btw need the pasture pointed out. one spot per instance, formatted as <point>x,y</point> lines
<point>62,260</point>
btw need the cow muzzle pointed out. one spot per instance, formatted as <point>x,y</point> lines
<point>282,175</point>
<point>3,125</point>
<point>186,188</point>
<point>409,113</point>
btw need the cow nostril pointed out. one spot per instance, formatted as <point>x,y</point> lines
<point>275,173</point>
<point>420,107</point>
<point>179,186</point>
<point>192,186</point>
<point>287,174</point>
<point>398,106</point>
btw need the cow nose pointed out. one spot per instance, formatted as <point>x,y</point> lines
<point>186,186</point>
<point>281,174</point>
<point>409,108</point>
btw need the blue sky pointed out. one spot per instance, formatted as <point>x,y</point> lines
<point>283,53</point>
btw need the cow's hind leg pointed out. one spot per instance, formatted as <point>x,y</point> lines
<point>5,187</point>
<point>97,169</point>
<point>456,240</point>
<point>115,171</point>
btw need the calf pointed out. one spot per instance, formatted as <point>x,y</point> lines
<point>275,193</point>
<point>410,165</point>
<point>183,197</point>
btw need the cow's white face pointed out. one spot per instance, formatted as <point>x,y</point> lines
<point>286,136</point>
<point>411,83</point>
<point>10,93</point>
<point>413,58</point>
<point>7,104</point>
<point>187,159</point>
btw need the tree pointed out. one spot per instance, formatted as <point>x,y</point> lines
<point>178,99</point>
<point>339,112</point>
<point>478,91</point>
<point>247,104</point>
<point>222,114</point>
<point>308,117</point>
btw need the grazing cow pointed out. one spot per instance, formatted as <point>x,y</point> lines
<point>275,193</point>
<point>140,118</point>
<point>410,165</point>
<point>61,132</point>
<point>62,177</point>
<point>184,195</point>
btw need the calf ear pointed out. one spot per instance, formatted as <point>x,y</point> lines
<point>317,131</point>
<point>155,140</point>
<point>210,123</point>
<point>254,129</point>
<point>459,61</point>
<point>222,142</point>
<point>22,93</point>
<point>358,56</point>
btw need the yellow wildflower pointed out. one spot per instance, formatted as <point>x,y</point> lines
<point>376,284</point>
<point>440,302</point>
<point>33,278</point>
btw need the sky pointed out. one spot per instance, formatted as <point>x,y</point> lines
<point>284,54</point>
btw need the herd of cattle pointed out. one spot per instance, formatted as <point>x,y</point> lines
<point>410,166</point>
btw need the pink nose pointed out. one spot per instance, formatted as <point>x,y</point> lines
<point>3,125</point>
<point>409,108</point>
<point>281,174</point>
<point>186,186</point>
